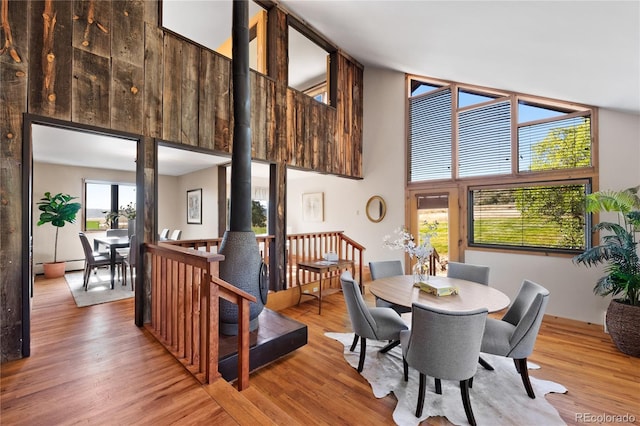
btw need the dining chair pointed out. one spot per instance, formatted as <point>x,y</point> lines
<point>384,269</point>
<point>95,260</point>
<point>117,233</point>
<point>130,257</point>
<point>164,234</point>
<point>175,235</point>
<point>369,323</point>
<point>444,345</point>
<point>515,334</point>
<point>469,272</point>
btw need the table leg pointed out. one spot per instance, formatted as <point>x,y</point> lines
<point>320,295</point>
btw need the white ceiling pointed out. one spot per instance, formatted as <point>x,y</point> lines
<point>580,51</point>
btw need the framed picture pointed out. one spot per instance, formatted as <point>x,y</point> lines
<point>313,207</point>
<point>194,206</point>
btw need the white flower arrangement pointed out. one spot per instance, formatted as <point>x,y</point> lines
<point>406,242</point>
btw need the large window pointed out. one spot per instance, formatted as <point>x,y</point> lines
<point>548,216</point>
<point>108,205</point>
<point>524,162</point>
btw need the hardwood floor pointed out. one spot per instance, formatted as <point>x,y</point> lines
<point>92,365</point>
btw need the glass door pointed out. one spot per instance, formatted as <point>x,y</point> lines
<point>437,213</point>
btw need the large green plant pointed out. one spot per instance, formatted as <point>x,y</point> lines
<point>57,210</point>
<point>618,250</point>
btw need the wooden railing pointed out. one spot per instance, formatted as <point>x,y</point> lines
<point>185,292</point>
<point>212,245</point>
<point>310,246</point>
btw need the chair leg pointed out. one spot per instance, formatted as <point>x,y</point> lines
<point>485,364</point>
<point>363,352</point>
<point>466,401</point>
<point>521,366</point>
<point>421,391</point>
<point>438,387</point>
<point>85,277</point>
<point>390,346</point>
<point>355,342</point>
<point>405,369</point>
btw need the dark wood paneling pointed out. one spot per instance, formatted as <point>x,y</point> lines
<point>258,116</point>
<point>277,46</point>
<point>128,31</point>
<point>50,58</point>
<point>91,81</point>
<point>207,100</point>
<point>224,105</point>
<point>153,72</point>
<point>171,93</point>
<point>126,96</point>
<point>13,102</point>
<point>189,94</point>
<point>92,26</point>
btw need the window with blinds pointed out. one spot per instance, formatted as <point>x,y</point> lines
<point>549,217</point>
<point>430,136</point>
<point>508,146</point>
<point>555,145</point>
<point>484,140</point>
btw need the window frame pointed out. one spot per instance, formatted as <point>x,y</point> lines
<point>114,201</point>
<point>515,178</point>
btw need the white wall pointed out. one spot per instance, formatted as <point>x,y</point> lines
<point>175,204</point>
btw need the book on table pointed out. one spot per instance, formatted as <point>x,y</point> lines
<point>438,289</point>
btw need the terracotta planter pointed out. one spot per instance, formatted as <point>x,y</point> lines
<point>54,270</point>
<point>623,323</point>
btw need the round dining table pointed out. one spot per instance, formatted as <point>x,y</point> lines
<point>400,290</point>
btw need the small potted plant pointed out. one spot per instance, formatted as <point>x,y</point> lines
<point>618,251</point>
<point>57,210</point>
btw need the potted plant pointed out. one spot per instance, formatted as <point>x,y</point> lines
<point>618,251</point>
<point>57,210</point>
<point>128,212</point>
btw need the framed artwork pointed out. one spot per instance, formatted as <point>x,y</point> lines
<point>313,207</point>
<point>194,206</point>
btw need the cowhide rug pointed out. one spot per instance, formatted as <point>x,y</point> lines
<point>497,397</point>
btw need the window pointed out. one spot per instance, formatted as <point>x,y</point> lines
<point>308,70</point>
<point>101,198</point>
<point>508,147</point>
<point>549,217</point>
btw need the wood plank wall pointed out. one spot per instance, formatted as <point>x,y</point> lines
<point>109,65</point>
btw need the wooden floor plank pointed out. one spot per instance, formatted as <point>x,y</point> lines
<point>92,365</point>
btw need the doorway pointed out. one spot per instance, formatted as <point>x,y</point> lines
<point>437,212</point>
<point>57,157</point>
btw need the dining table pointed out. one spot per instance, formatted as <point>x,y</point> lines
<point>400,290</point>
<point>112,243</point>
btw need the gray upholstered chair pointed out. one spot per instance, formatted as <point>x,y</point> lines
<point>383,269</point>
<point>94,260</point>
<point>444,345</point>
<point>515,334</point>
<point>130,258</point>
<point>369,323</point>
<point>176,234</point>
<point>469,272</point>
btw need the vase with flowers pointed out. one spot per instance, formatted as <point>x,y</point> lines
<point>419,250</point>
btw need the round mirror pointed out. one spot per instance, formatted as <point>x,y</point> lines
<point>376,208</point>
